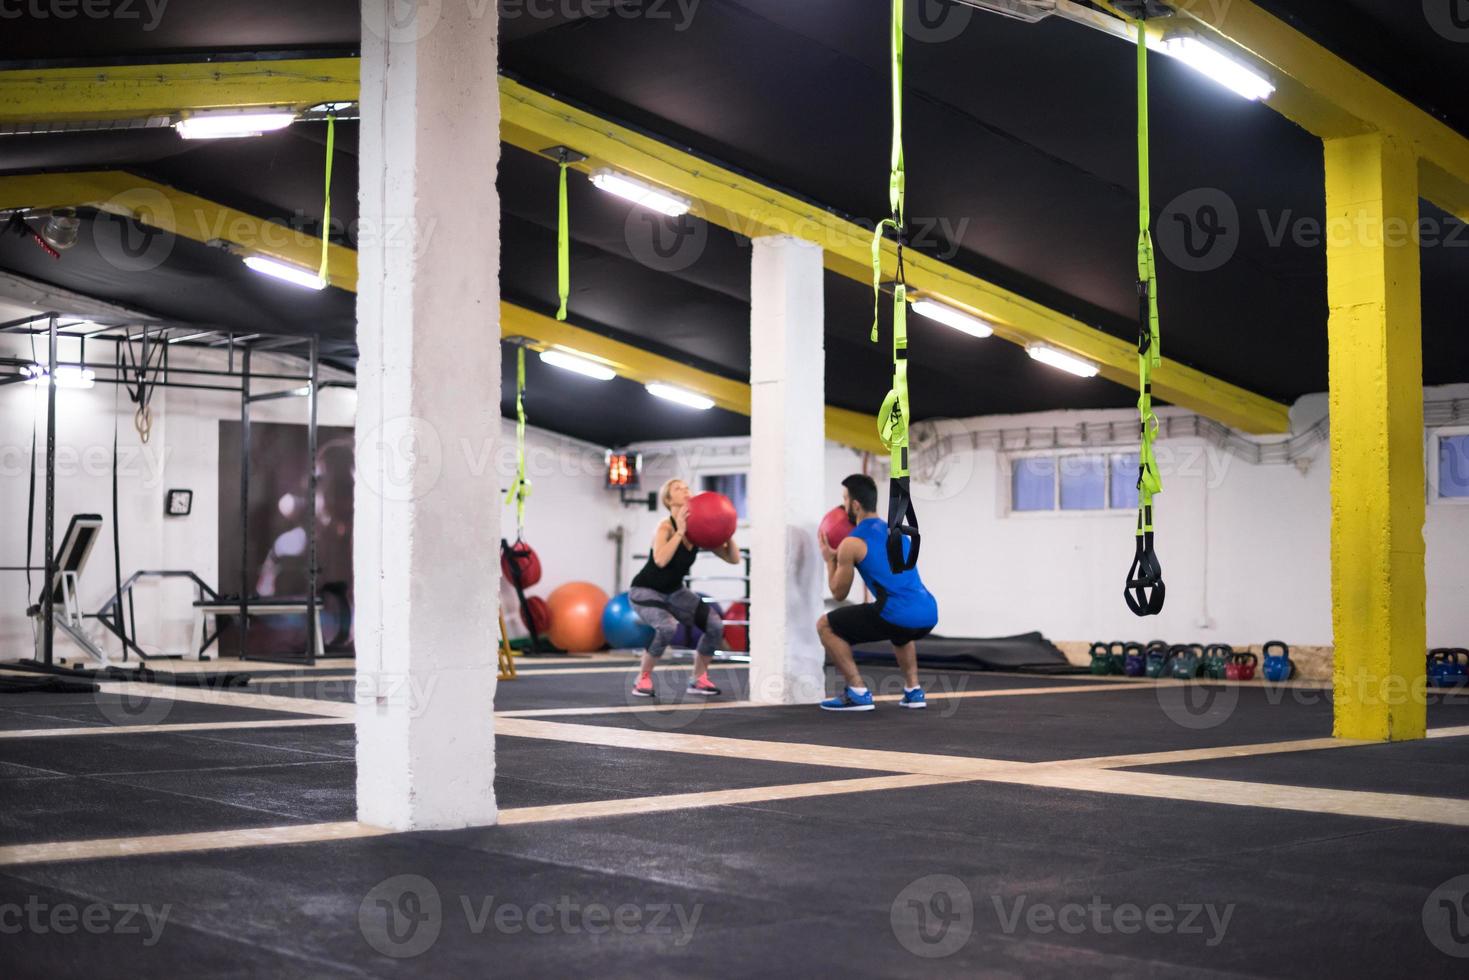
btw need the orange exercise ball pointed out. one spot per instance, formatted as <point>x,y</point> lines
<point>576,617</point>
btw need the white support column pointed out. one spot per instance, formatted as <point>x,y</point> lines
<point>788,472</point>
<point>426,560</point>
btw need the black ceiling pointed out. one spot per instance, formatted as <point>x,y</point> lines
<point>1021,161</point>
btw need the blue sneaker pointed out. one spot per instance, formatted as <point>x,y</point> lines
<point>913,699</point>
<point>848,700</point>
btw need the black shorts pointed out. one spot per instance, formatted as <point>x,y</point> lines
<point>862,624</point>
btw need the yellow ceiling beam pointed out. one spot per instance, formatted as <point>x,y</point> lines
<point>1326,95</point>
<point>189,216</point>
<point>534,121</point>
<point>135,91</point>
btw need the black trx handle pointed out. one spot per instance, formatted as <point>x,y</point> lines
<point>902,523</point>
<point>1145,591</point>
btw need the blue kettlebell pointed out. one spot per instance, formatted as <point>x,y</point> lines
<point>1448,667</point>
<point>1278,667</point>
<point>1135,661</point>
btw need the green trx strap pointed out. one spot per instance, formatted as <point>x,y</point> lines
<point>563,241</point>
<point>520,489</point>
<point>894,416</point>
<point>1144,591</point>
<point>326,211</point>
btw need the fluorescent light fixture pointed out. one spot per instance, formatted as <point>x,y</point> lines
<point>580,365</point>
<point>191,336</point>
<point>1209,60</point>
<point>686,398</point>
<point>282,270</point>
<point>644,195</point>
<point>66,377</point>
<point>950,317</point>
<point>230,124</point>
<point>1069,363</point>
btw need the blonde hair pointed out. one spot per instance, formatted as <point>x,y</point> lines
<point>664,490</point>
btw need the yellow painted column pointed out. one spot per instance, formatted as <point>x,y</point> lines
<point>1377,477</point>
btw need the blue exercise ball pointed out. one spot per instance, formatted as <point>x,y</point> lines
<point>622,625</point>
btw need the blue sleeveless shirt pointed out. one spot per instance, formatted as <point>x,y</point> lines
<point>901,598</point>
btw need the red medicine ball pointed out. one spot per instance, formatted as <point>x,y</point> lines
<point>711,520</point>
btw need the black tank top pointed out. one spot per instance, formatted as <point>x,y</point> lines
<point>667,578</point>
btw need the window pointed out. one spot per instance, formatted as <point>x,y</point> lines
<point>732,485</point>
<point>1073,482</point>
<point>1033,484</point>
<point>1450,477</point>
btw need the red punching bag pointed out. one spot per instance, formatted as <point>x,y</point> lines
<point>527,563</point>
<point>711,519</point>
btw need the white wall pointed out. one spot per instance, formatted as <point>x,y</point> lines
<point>1245,547</point>
<point>567,521</point>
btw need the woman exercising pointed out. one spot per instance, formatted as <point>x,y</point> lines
<point>662,600</point>
<point>904,611</point>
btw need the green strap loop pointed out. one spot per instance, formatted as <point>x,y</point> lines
<point>1149,342</point>
<point>520,489</point>
<point>326,211</point>
<point>897,175</point>
<point>563,244</point>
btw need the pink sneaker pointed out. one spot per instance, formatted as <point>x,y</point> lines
<point>643,688</point>
<point>703,687</point>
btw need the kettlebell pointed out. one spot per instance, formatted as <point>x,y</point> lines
<point>1241,666</point>
<point>1101,655</point>
<point>1278,667</point>
<point>1184,663</point>
<point>1155,659</point>
<point>1135,661</point>
<point>1216,664</point>
<point>1448,667</point>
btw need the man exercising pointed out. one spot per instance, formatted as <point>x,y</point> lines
<point>663,601</point>
<point>903,611</point>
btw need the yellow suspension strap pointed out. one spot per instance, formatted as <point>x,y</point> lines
<point>520,489</point>
<point>326,211</point>
<point>1144,591</point>
<point>564,156</point>
<point>894,416</point>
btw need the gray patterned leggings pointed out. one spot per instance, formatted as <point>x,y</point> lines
<point>665,612</point>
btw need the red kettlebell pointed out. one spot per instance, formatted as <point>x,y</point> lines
<point>1247,663</point>
<point>1231,669</point>
<point>711,520</point>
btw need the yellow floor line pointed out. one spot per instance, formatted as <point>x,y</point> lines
<point>214,840</point>
<point>1192,789</point>
<point>231,697</point>
<point>202,726</point>
<point>722,797</point>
